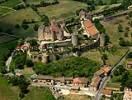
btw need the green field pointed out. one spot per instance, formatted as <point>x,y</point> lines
<point>7,92</point>
<point>39,94</point>
<point>5,10</point>
<point>77,97</point>
<point>11,3</point>
<point>37,1</point>
<point>65,8</point>
<point>18,16</point>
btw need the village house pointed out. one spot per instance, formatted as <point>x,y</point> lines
<point>129,64</point>
<point>23,47</point>
<point>94,86</point>
<point>52,80</point>
<point>107,92</point>
<point>80,82</point>
<point>127,94</point>
<point>70,81</point>
<point>104,71</point>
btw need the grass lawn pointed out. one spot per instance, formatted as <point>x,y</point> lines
<point>39,94</point>
<point>28,72</point>
<point>112,29</point>
<point>65,8</point>
<point>11,3</point>
<point>93,55</point>
<point>7,92</point>
<point>77,97</point>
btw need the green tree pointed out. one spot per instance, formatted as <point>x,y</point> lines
<point>113,1</point>
<point>45,19</point>
<point>29,63</point>
<point>126,3</point>
<point>36,27</point>
<point>120,28</point>
<point>104,58</point>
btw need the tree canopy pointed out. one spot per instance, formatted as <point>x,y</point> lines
<point>71,66</point>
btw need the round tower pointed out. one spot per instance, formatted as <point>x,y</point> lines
<point>74,39</point>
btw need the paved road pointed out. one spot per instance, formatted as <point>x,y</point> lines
<point>107,78</point>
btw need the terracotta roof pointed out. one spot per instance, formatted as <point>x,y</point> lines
<point>54,28</point>
<point>106,68</point>
<point>81,80</point>
<point>77,81</point>
<point>90,27</point>
<point>107,91</point>
<point>96,81</point>
<point>99,72</point>
<point>129,62</point>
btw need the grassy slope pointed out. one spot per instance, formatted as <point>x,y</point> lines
<point>112,29</point>
<point>113,57</point>
<point>11,3</point>
<point>6,91</point>
<point>65,8</point>
<point>4,48</point>
<point>39,94</point>
<point>18,16</point>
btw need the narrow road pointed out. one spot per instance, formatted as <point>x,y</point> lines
<point>9,60</point>
<point>107,78</point>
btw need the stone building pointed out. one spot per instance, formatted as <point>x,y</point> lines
<point>89,28</point>
<point>54,31</point>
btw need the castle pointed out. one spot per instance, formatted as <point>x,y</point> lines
<point>54,31</point>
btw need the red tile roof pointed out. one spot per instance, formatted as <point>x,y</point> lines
<point>77,81</point>
<point>96,81</point>
<point>90,27</point>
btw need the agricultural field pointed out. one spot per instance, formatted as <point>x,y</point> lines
<point>112,29</point>
<point>41,93</point>
<point>11,3</point>
<point>68,8</point>
<point>20,15</point>
<point>38,1</point>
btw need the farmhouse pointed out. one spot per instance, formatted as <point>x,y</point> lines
<point>95,83</point>
<point>107,92</point>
